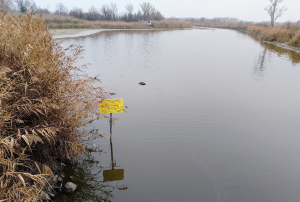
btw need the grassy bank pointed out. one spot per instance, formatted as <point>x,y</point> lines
<point>288,34</point>
<point>68,22</point>
<point>44,97</point>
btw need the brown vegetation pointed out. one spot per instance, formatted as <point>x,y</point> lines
<point>44,98</point>
<point>67,22</point>
<point>289,33</point>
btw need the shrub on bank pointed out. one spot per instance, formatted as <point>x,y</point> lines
<point>295,41</point>
<point>43,98</point>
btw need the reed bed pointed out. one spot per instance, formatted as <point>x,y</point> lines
<point>44,98</point>
<point>288,34</point>
<point>68,22</point>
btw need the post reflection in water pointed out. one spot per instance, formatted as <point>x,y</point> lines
<point>113,174</point>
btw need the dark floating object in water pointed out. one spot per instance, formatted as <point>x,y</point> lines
<point>142,83</point>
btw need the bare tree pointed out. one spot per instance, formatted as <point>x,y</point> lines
<point>146,9</point>
<point>158,16</point>
<point>138,16</point>
<point>150,12</point>
<point>129,8</point>
<point>93,14</point>
<point>61,9</point>
<point>77,13</point>
<point>275,10</point>
<point>24,5</point>
<point>129,14</point>
<point>42,10</point>
<point>106,12</point>
<point>114,11</point>
<point>5,5</point>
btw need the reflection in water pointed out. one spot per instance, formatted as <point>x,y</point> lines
<point>89,188</point>
<point>113,174</point>
<point>142,47</point>
<point>85,172</point>
<point>260,67</point>
<point>293,56</point>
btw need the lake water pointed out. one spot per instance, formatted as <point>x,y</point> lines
<point>217,121</point>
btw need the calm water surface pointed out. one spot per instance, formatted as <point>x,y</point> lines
<point>218,119</point>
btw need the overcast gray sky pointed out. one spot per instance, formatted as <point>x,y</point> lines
<point>250,10</point>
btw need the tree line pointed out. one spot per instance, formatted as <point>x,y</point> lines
<point>108,12</point>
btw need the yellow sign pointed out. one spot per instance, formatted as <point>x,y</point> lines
<point>111,106</point>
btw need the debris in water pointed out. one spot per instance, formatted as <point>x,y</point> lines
<point>123,187</point>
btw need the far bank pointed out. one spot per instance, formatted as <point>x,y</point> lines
<point>68,22</point>
<point>286,36</point>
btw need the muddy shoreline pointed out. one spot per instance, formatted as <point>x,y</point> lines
<point>284,45</point>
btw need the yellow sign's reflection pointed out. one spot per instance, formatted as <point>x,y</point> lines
<point>113,174</point>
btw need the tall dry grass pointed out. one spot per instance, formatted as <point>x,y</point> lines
<point>289,34</point>
<point>68,22</point>
<point>44,97</point>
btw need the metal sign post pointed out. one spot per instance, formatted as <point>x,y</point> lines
<point>112,106</point>
<point>110,121</point>
<point>111,146</point>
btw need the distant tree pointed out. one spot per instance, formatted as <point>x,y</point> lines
<point>77,13</point>
<point>138,16</point>
<point>146,9</point>
<point>275,10</point>
<point>192,20</point>
<point>129,8</point>
<point>42,10</point>
<point>202,19</point>
<point>93,14</point>
<point>61,9</point>
<point>24,5</point>
<point>172,18</point>
<point>114,11</point>
<point>106,12</point>
<point>5,5</point>
<point>158,16</point>
<point>150,12</point>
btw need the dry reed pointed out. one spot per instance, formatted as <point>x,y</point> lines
<point>44,98</point>
<point>288,34</point>
<point>68,22</point>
